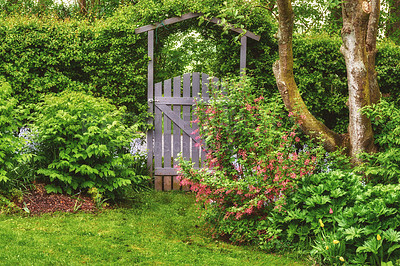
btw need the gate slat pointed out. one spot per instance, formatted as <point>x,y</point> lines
<point>186,117</point>
<point>158,130</point>
<point>205,94</point>
<point>177,110</point>
<point>167,129</point>
<point>195,93</point>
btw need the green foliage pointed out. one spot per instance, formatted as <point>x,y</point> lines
<point>8,127</point>
<point>11,160</point>
<point>320,74</point>
<point>319,196</point>
<point>384,166</point>
<point>254,157</point>
<point>83,143</point>
<point>107,58</point>
<point>339,217</point>
<point>40,56</point>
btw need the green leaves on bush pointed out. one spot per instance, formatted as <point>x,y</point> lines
<point>384,166</point>
<point>362,220</point>
<point>83,143</point>
<point>255,156</point>
<point>9,142</point>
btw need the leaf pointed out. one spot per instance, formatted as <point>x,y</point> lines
<point>371,245</point>
<point>53,189</point>
<point>393,248</point>
<point>353,232</point>
<point>391,235</point>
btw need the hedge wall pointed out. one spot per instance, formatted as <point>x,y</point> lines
<point>106,57</point>
<point>320,73</point>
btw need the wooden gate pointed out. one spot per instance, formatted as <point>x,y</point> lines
<point>171,102</point>
<point>174,131</point>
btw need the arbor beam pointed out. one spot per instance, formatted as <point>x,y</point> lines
<point>187,16</point>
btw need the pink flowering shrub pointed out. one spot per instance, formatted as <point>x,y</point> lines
<point>255,157</point>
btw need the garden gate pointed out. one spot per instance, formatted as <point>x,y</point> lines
<point>171,103</point>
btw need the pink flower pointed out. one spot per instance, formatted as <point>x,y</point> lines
<point>290,113</point>
<point>297,139</point>
<point>258,99</point>
<point>330,210</point>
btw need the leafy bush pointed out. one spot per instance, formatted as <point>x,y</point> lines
<point>253,160</point>
<point>340,219</point>
<point>318,196</point>
<point>82,143</point>
<point>10,145</point>
<point>383,167</point>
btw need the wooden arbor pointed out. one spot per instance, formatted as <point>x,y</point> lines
<point>171,103</point>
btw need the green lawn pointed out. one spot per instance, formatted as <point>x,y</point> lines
<point>159,228</point>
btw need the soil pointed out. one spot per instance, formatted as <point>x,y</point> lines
<point>38,201</point>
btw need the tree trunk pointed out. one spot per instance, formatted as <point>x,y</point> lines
<point>283,71</point>
<point>356,14</point>
<point>360,25</point>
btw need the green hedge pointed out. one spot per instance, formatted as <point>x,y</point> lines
<point>320,73</point>
<point>108,59</point>
<point>39,56</point>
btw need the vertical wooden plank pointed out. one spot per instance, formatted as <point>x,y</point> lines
<point>195,93</point>
<point>204,85</point>
<point>167,183</point>
<point>186,117</point>
<point>158,184</point>
<point>175,183</point>
<point>177,110</point>
<point>243,49</point>
<point>205,94</point>
<point>150,81</point>
<point>158,130</point>
<point>167,129</point>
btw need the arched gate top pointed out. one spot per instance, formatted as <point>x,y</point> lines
<point>150,50</point>
<point>187,16</point>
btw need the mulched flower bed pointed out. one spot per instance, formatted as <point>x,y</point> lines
<point>38,201</point>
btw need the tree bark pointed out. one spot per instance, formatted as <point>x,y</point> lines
<point>283,71</point>
<point>83,6</point>
<point>359,32</point>
<point>354,48</point>
<point>372,33</point>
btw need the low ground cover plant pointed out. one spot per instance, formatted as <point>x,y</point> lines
<point>269,185</point>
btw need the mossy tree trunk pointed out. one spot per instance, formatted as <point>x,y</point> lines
<point>360,23</point>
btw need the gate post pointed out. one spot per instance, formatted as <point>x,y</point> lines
<point>243,49</point>
<point>150,97</point>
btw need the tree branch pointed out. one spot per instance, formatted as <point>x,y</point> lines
<point>283,71</point>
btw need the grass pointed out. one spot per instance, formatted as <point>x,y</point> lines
<point>158,228</point>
